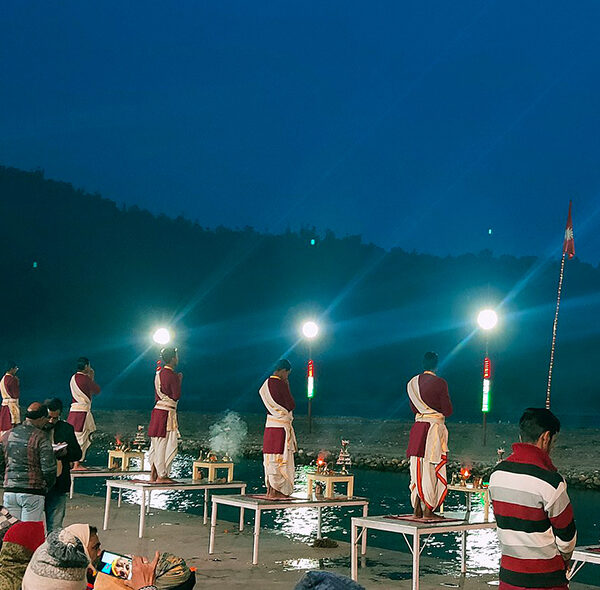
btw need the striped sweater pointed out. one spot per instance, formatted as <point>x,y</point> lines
<point>535,520</point>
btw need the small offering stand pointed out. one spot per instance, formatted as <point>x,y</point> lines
<point>323,473</point>
<point>212,464</point>
<point>120,457</point>
<point>460,483</point>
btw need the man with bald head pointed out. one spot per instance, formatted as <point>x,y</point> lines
<point>29,466</point>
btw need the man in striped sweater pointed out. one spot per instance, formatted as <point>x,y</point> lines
<point>534,515</point>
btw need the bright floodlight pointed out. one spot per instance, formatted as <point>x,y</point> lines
<point>161,336</point>
<point>487,319</point>
<point>310,329</point>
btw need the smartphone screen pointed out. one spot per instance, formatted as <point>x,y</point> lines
<point>113,564</point>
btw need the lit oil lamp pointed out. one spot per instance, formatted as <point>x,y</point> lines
<point>465,474</point>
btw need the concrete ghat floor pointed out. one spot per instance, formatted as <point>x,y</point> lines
<point>282,561</point>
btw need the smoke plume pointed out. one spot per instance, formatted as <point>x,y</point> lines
<point>228,435</point>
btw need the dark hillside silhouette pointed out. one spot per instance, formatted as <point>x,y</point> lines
<point>84,276</point>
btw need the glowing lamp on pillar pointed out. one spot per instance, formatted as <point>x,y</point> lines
<point>310,330</point>
<point>161,336</point>
<point>310,380</point>
<point>487,375</point>
<point>487,319</point>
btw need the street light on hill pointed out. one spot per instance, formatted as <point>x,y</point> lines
<point>310,330</point>
<point>487,319</point>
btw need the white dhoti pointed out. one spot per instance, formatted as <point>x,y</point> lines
<point>12,406</point>
<point>83,403</point>
<point>163,450</point>
<point>279,467</point>
<point>84,437</point>
<point>428,481</point>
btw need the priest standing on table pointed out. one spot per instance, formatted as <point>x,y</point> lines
<point>83,389</point>
<point>279,442</point>
<point>428,440</point>
<point>164,430</point>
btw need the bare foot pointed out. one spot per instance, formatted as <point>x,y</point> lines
<point>164,480</point>
<point>153,473</point>
<point>77,466</point>
<point>430,515</point>
<point>273,494</point>
<point>418,512</point>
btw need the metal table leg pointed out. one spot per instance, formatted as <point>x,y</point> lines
<point>353,551</point>
<point>319,521</point>
<point>364,536</point>
<point>107,506</point>
<point>149,500</point>
<point>120,497</point>
<point>71,488</point>
<point>142,514</point>
<point>463,552</point>
<point>243,493</point>
<point>205,519</point>
<point>256,536</point>
<point>416,551</point>
<point>213,527</point>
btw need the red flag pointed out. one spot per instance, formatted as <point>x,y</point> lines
<point>569,243</point>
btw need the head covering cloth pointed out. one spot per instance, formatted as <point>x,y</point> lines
<point>61,562</point>
<point>20,542</point>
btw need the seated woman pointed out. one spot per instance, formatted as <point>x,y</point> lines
<point>20,542</point>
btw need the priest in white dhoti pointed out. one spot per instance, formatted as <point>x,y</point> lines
<point>279,441</point>
<point>83,389</point>
<point>428,440</point>
<point>10,414</point>
<point>163,429</point>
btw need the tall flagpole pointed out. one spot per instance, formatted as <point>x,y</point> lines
<point>568,249</point>
<point>551,366</point>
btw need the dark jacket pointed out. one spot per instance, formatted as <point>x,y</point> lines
<point>28,460</point>
<point>64,432</point>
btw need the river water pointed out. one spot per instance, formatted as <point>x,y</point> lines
<point>387,493</point>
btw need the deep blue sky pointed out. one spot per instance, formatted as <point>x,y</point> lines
<point>416,124</point>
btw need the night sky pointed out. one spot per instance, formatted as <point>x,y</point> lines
<point>419,125</point>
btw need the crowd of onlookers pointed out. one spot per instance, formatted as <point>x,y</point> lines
<point>36,551</point>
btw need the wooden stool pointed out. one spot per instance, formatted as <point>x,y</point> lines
<point>118,458</point>
<point>212,467</point>
<point>329,480</point>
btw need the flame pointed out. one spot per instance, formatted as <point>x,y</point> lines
<point>320,462</point>
<point>464,472</point>
<point>119,442</point>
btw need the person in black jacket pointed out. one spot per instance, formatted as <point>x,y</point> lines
<point>61,432</point>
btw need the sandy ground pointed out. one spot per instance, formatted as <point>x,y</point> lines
<point>576,449</point>
<point>282,561</point>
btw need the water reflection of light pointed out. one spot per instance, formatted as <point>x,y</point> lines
<point>483,551</point>
<point>302,522</point>
<point>300,564</point>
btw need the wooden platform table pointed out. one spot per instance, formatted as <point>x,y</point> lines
<point>260,504</point>
<point>146,488</point>
<point>330,479</point>
<point>469,491</point>
<point>103,473</point>
<point>583,555</point>
<point>212,467</point>
<point>119,458</point>
<point>409,527</point>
